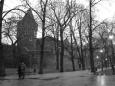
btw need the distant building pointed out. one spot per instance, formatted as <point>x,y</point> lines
<point>26,33</point>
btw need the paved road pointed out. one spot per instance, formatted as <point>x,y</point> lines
<point>79,78</point>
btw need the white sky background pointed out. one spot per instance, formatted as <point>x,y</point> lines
<point>103,10</point>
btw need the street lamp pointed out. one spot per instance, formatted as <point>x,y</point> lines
<point>106,59</point>
<point>97,61</point>
<point>111,37</point>
<point>97,57</point>
<point>106,62</point>
<point>101,51</point>
<point>112,49</point>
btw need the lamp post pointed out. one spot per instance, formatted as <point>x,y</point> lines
<point>112,49</point>
<point>106,62</point>
<point>101,51</point>
<point>97,61</point>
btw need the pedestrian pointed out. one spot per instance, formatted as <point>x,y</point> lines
<point>23,67</point>
<point>21,71</point>
<point>34,68</point>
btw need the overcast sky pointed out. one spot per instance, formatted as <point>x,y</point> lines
<point>104,10</point>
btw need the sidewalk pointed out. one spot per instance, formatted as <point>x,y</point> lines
<point>48,76</point>
<point>31,76</point>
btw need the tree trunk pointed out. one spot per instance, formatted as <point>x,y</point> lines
<point>14,55</point>
<point>72,56</point>
<point>2,67</point>
<point>42,53</point>
<point>90,40</point>
<point>79,62</point>
<point>57,52</point>
<point>43,36</point>
<point>86,57</point>
<point>57,55</point>
<point>81,45</point>
<point>57,59</point>
<point>62,50</point>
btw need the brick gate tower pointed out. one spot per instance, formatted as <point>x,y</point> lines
<point>26,33</point>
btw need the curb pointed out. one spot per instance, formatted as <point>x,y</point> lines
<point>39,78</point>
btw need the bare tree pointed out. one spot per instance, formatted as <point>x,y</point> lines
<point>55,31</point>
<point>41,13</point>
<point>63,12</point>
<point>104,35</point>
<point>91,4</point>
<point>2,16</point>
<point>72,49</point>
<point>43,10</point>
<point>79,24</point>
<point>10,33</point>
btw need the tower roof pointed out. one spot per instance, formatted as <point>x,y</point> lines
<point>29,19</point>
<point>28,14</point>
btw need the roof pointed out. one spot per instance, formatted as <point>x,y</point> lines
<point>29,14</point>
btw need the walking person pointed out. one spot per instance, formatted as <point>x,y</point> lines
<point>21,70</point>
<point>34,68</point>
<point>23,67</point>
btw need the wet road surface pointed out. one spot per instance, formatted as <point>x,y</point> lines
<point>79,78</point>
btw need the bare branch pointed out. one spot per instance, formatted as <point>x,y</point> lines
<point>93,4</point>
<point>12,10</point>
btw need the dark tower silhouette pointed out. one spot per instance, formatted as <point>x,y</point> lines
<point>26,33</point>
